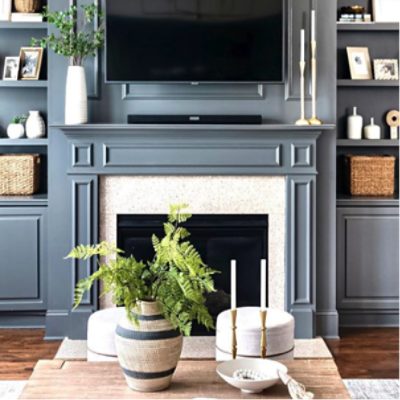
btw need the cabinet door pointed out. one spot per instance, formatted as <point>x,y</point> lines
<point>368,258</point>
<point>22,258</point>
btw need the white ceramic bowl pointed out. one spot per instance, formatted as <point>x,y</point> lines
<point>268,368</point>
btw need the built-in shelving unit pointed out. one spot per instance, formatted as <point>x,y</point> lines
<point>23,25</point>
<point>366,83</point>
<point>23,142</point>
<point>15,201</point>
<point>20,84</point>
<point>368,143</point>
<point>368,26</point>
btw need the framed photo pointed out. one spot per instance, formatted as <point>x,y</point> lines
<point>386,10</point>
<point>31,62</point>
<point>359,62</point>
<point>387,70</point>
<point>11,69</point>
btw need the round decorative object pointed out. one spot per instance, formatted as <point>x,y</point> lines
<point>27,6</point>
<point>76,104</point>
<point>148,353</point>
<point>279,329</point>
<point>35,126</point>
<point>15,131</point>
<point>393,120</point>
<point>267,369</point>
<point>372,131</point>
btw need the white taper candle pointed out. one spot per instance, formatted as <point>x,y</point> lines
<point>313,25</point>
<point>302,44</point>
<point>263,284</point>
<point>233,284</point>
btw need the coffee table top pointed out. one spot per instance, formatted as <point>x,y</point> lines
<point>70,380</point>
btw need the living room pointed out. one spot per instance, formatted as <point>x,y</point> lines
<point>199,199</point>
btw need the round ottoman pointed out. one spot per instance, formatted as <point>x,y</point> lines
<point>101,334</point>
<point>280,334</point>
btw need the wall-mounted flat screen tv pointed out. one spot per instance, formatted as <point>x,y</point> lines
<point>151,41</point>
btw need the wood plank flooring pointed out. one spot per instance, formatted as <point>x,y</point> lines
<point>371,353</point>
<point>20,350</point>
<point>360,353</point>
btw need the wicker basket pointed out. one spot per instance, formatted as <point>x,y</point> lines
<point>372,175</point>
<point>27,6</point>
<point>19,174</point>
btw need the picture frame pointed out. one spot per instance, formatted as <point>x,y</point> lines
<point>359,63</point>
<point>386,69</point>
<point>11,68</point>
<point>30,62</point>
<point>386,10</point>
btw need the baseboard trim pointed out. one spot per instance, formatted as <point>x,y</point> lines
<point>327,324</point>
<point>22,320</point>
<point>369,319</point>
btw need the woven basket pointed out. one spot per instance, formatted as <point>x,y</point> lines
<point>19,174</point>
<point>372,175</point>
<point>27,6</point>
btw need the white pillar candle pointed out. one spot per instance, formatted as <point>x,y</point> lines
<point>302,44</point>
<point>313,25</point>
<point>233,284</point>
<point>263,284</point>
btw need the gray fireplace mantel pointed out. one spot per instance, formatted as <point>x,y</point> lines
<point>81,154</point>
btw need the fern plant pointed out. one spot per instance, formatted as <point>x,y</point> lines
<point>177,278</point>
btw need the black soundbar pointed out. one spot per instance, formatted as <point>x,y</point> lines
<point>196,119</point>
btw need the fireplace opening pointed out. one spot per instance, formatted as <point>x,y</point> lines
<point>219,239</point>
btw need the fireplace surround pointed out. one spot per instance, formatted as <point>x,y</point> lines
<point>88,155</point>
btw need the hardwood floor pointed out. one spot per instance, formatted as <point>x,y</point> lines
<point>20,349</point>
<point>367,353</point>
<point>360,353</point>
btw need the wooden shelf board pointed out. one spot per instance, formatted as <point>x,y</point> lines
<point>23,84</point>
<point>368,26</point>
<point>23,142</point>
<point>366,83</point>
<point>361,201</point>
<point>367,143</point>
<point>35,200</point>
<point>22,25</point>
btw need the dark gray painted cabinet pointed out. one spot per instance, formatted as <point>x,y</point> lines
<point>23,258</point>
<point>368,265</point>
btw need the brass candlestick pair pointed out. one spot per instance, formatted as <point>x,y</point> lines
<point>263,344</point>
<point>313,120</point>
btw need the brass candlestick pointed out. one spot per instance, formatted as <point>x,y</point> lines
<point>302,120</point>
<point>263,344</point>
<point>314,120</point>
<point>233,325</point>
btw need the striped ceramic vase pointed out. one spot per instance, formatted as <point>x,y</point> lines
<point>148,353</point>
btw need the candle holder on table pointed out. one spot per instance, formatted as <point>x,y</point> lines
<point>233,327</point>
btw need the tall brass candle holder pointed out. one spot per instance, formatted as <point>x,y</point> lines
<point>263,344</point>
<point>302,120</point>
<point>233,326</point>
<point>314,120</point>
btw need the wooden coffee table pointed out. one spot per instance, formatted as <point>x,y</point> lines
<point>71,380</point>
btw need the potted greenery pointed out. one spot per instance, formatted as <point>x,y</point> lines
<point>161,296</point>
<point>79,37</point>
<point>16,129</point>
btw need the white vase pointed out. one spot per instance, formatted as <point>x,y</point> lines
<point>15,131</point>
<point>372,131</point>
<point>354,125</point>
<point>35,126</point>
<point>5,10</point>
<point>76,105</point>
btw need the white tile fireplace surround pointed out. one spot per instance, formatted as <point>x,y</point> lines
<point>206,195</point>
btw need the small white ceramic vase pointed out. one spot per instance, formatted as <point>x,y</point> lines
<point>5,10</point>
<point>15,131</point>
<point>354,125</point>
<point>76,104</point>
<point>35,126</point>
<point>372,131</point>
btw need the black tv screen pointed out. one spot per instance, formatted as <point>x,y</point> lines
<point>194,41</point>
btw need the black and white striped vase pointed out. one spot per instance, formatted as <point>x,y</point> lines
<point>148,353</point>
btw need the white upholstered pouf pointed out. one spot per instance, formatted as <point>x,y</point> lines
<point>280,334</point>
<point>101,334</point>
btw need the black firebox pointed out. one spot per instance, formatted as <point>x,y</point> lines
<point>219,239</point>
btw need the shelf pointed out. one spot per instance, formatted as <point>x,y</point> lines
<point>23,142</point>
<point>368,26</point>
<point>361,201</point>
<point>366,83</point>
<point>23,84</point>
<point>35,200</point>
<point>368,143</point>
<point>23,25</point>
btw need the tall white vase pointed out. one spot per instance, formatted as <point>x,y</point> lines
<point>76,104</point>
